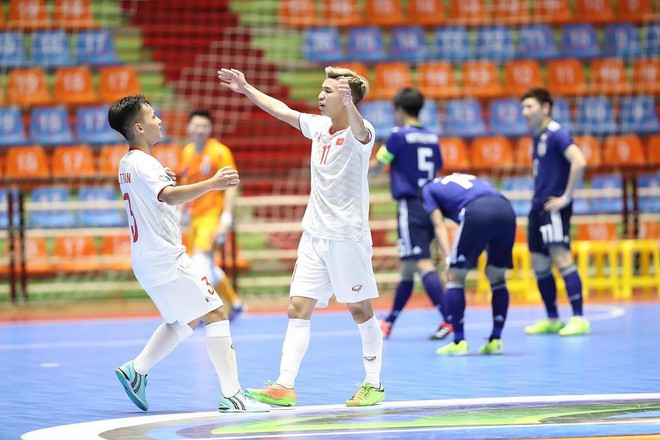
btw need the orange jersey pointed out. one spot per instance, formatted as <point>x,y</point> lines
<point>197,167</point>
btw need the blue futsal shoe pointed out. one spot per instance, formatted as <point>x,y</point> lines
<point>135,385</point>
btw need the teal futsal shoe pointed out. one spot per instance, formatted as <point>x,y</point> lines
<point>243,401</point>
<point>134,384</point>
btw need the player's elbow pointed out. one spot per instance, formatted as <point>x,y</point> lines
<point>167,195</point>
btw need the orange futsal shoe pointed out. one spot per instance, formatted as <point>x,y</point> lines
<point>275,394</point>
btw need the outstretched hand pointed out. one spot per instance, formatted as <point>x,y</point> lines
<point>225,178</point>
<point>232,79</point>
<point>345,91</point>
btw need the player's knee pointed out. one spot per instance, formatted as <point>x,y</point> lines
<point>456,275</point>
<point>300,308</point>
<point>219,314</point>
<point>495,275</point>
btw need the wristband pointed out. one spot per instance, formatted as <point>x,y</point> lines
<point>227,219</point>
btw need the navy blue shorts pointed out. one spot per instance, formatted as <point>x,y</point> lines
<point>549,228</point>
<point>415,230</point>
<point>487,223</point>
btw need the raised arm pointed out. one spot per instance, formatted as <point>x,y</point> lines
<point>355,120</point>
<point>174,195</point>
<point>235,80</point>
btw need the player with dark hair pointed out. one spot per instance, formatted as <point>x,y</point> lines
<point>414,157</point>
<point>558,166</point>
<point>486,221</point>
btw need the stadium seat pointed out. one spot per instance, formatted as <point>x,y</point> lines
<point>622,40</point>
<point>116,252</point>
<point>455,156</point>
<point>640,266</point>
<point>511,11</point>
<point>634,10</point>
<point>73,161</point>
<point>596,231</point>
<point>521,205</point>
<point>505,117</point>
<point>366,44</point>
<point>646,75</point>
<point>168,155</point>
<point>50,126</point>
<point>464,118</point>
<point>638,114</point>
<point>109,159</point>
<point>342,13</point>
<point>37,260</point>
<point>653,150</point>
<point>12,52</point>
<point>469,12</point>
<point>426,12</point>
<point>491,153</point>
<point>430,117</point>
<point>50,49</point>
<point>436,80</point>
<point>408,44</point>
<point>116,82</point>
<point>522,152</point>
<point>581,205</point>
<point>76,253</point>
<point>358,68</point>
<point>649,229</point>
<point>55,217</point>
<point>624,150</point>
<point>579,41</point>
<point>651,40</point>
<point>521,75</point>
<point>12,130</point>
<point>609,76</point>
<point>92,126</point>
<point>384,12</point>
<point>26,162</point>
<point>561,113</point>
<point>495,43</point>
<point>73,14</point>
<point>390,78</point>
<point>594,11</point>
<point>649,183</point>
<point>297,13</point>
<point>381,116</point>
<point>552,11</point>
<point>73,86</point>
<point>100,217</point>
<point>28,15</point>
<point>481,79</point>
<point>2,16</point>
<point>607,204</point>
<point>566,77</point>
<point>322,45</point>
<point>96,48</point>
<point>596,256</point>
<point>537,41</point>
<point>28,87</point>
<point>591,148</point>
<point>451,43</point>
<point>595,116</point>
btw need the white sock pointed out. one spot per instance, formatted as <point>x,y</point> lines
<point>372,350</point>
<point>294,348</point>
<point>223,357</point>
<point>162,342</point>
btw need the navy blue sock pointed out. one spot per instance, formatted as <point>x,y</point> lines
<point>548,289</point>
<point>456,309</point>
<point>500,304</point>
<point>435,292</point>
<point>401,296</point>
<point>573,288</point>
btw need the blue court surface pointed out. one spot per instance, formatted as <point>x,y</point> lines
<point>605,385</point>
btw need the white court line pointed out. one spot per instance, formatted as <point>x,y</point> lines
<point>92,430</point>
<point>610,312</point>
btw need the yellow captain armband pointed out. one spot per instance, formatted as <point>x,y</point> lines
<point>383,156</point>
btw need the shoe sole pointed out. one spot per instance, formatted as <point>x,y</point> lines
<point>268,400</point>
<point>353,405</point>
<point>126,383</point>
<point>435,338</point>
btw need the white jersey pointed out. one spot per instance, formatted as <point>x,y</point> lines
<point>154,225</point>
<point>338,207</point>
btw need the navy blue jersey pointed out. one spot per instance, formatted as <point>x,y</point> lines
<point>550,166</point>
<point>414,158</point>
<point>451,193</point>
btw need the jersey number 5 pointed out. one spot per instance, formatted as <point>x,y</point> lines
<point>133,226</point>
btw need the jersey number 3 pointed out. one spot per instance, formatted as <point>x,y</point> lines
<point>133,226</point>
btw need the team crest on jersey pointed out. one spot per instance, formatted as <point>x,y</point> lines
<point>164,178</point>
<point>540,150</point>
<point>339,142</point>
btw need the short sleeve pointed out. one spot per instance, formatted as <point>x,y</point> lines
<point>309,124</point>
<point>430,204</point>
<point>562,140</point>
<point>153,176</point>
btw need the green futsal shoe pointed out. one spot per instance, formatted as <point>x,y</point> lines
<point>576,326</point>
<point>454,349</point>
<point>545,327</point>
<point>134,384</point>
<point>367,395</point>
<point>492,347</point>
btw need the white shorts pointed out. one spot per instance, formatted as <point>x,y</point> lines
<point>325,267</point>
<point>186,298</point>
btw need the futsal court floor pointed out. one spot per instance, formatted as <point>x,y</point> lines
<point>58,381</point>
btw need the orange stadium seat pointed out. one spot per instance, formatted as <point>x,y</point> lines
<point>27,162</point>
<point>596,231</point>
<point>341,13</point>
<point>73,14</point>
<point>389,78</point>
<point>426,12</point>
<point>646,75</point>
<point>384,12</point>
<point>469,12</point>
<point>521,75</point>
<point>624,150</point>
<point>73,85</point>
<point>522,152</point>
<point>73,161</point>
<point>37,260</point>
<point>168,155</point>
<point>634,10</point>
<point>28,14</point>
<point>437,80</point>
<point>358,68</point>
<point>552,11</point>
<point>298,13</point>
<point>566,77</point>
<point>591,149</point>
<point>491,153</point>
<point>454,154</point>
<point>511,11</point>
<point>118,81</point>
<point>2,16</point>
<point>649,230</point>
<point>116,252</point>
<point>28,87</point>
<point>594,11</point>
<point>609,76</point>
<point>76,254</point>
<point>481,79</point>
<point>109,159</point>
<point>653,149</point>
